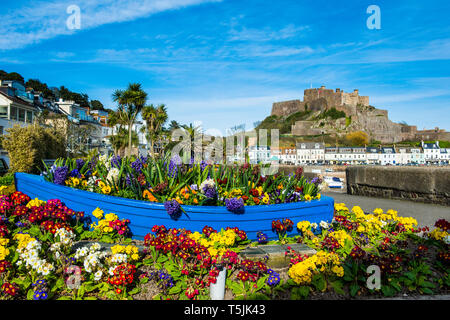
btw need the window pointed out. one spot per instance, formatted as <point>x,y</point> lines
<point>21,115</point>
<point>4,112</point>
<point>29,116</point>
<point>13,115</point>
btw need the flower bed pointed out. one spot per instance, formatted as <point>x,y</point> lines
<point>145,214</point>
<point>38,260</point>
<point>170,181</point>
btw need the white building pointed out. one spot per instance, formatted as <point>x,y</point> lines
<point>387,156</point>
<point>259,154</point>
<point>431,151</point>
<point>310,153</point>
<point>372,155</point>
<point>288,156</point>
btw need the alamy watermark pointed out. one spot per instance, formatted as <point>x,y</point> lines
<point>374,20</point>
<point>73,22</point>
<point>374,280</point>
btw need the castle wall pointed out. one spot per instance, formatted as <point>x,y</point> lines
<point>287,107</point>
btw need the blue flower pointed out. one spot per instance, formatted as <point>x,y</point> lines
<point>274,278</point>
<point>261,237</point>
<point>173,208</point>
<point>235,205</point>
<point>59,176</point>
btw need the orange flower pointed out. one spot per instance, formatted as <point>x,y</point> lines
<point>195,201</point>
<point>147,194</point>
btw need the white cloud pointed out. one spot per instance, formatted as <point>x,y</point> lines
<point>39,20</point>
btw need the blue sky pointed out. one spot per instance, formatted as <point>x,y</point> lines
<point>225,62</point>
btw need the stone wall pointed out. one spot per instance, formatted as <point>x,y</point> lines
<point>287,107</point>
<point>422,184</point>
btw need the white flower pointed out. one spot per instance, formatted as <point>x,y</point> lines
<point>95,247</point>
<point>323,224</point>
<point>208,182</point>
<point>111,271</point>
<point>119,258</point>
<point>314,225</point>
<point>98,275</point>
<point>113,174</point>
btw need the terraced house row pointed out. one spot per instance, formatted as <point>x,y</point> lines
<point>317,153</point>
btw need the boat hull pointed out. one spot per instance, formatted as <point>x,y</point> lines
<point>143,215</point>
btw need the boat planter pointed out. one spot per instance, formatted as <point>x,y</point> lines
<point>143,215</point>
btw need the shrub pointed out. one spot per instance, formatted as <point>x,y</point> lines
<point>28,146</point>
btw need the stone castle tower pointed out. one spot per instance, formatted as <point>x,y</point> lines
<point>321,99</point>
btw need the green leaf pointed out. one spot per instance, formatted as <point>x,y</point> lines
<point>134,291</point>
<point>388,291</point>
<point>354,288</point>
<point>30,294</point>
<point>338,287</point>
<point>319,282</point>
<point>426,290</point>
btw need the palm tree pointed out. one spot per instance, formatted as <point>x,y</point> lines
<point>155,118</point>
<point>130,101</point>
<point>119,141</point>
<point>174,125</point>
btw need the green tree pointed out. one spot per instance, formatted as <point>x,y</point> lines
<point>130,103</point>
<point>357,138</point>
<point>97,105</point>
<point>155,118</point>
<point>28,146</point>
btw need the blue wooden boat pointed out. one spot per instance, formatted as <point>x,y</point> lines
<point>143,215</point>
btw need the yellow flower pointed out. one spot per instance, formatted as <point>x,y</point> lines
<point>4,241</point>
<point>117,249</point>
<point>111,217</point>
<point>35,203</point>
<point>4,252</point>
<point>308,197</point>
<point>75,181</point>
<point>3,188</point>
<point>134,256</point>
<point>98,213</point>
<point>318,196</point>
<point>338,270</point>
<point>101,184</point>
<point>378,211</point>
<point>106,189</point>
<point>303,225</point>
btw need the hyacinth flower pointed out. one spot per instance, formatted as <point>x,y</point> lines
<point>235,205</point>
<point>173,208</point>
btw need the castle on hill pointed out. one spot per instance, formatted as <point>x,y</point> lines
<point>360,116</point>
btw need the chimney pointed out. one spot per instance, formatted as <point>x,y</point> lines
<point>356,91</point>
<point>322,87</point>
<point>338,90</point>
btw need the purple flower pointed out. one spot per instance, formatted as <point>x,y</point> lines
<point>137,165</point>
<point>116,161</point>
<point>175,161</point>
<point>262,237</point>
<point>59,176</point>
<point>80,163</point>
<point>173,208</point>
<point>209,191</point>
<point>235,205</point>
<point>75,173</point>
<point>203,165</point>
